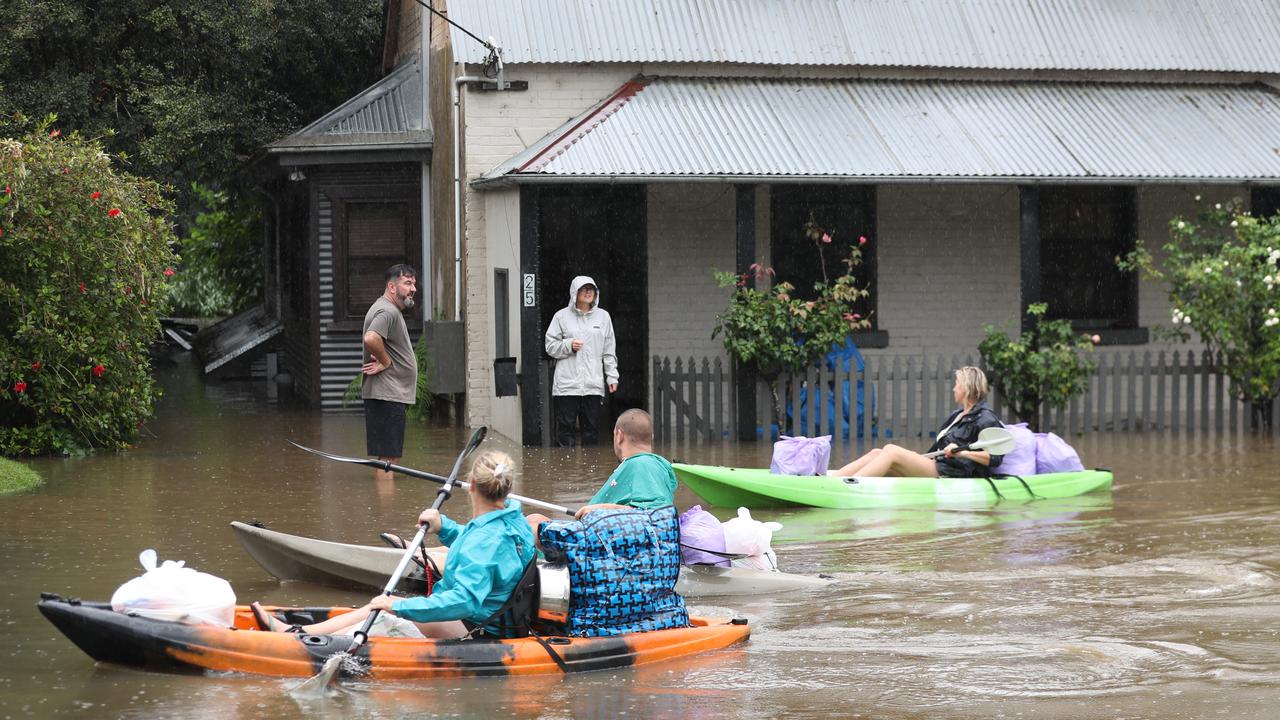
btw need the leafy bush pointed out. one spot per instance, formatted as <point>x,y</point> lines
<point>221,271</point>
<point>773,332</point>
<point>85,252</point>
<point>1042,367</point>
<point>1223,275</point>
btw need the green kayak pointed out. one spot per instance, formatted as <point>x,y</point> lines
<point>757,487</point>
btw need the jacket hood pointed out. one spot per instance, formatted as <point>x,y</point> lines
<point>576,285</point>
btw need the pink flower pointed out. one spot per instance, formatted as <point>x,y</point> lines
<point>826,238</point>
<point>98,370</point>
<point>54,133</point>
<point>19,387</point>
<point>1096,339</point>
<point>862,239</point>
<point>113,212</point>
<point>96,194</point>
<point>168,272</point>
<point>7,190</point>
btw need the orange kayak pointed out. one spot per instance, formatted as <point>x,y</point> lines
<point>131,640</point>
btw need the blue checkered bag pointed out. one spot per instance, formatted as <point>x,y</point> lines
<point>623,566</point>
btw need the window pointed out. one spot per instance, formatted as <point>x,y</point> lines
<point>1264,201</point>
<point>845,212</point>
<point>501,312</point>
<point>373,230</point>
<point>1082,231</point>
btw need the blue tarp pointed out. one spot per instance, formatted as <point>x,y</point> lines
<point>841,357</point>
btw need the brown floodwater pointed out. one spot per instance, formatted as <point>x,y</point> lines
<point>1160,599</point>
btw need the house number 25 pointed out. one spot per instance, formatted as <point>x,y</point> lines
<point>527,293</point>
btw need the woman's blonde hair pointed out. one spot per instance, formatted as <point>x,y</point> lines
<point>974,383</point>
<point>491,475</point>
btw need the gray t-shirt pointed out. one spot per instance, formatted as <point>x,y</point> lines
<point>400,382</point>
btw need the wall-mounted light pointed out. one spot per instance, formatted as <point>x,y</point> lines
<point>297,176</point>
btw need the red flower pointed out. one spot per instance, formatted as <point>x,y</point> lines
<point>7,190</point>
<point>862,240</point>
<point>54,133</point>
<point>82,287</point>
<point>1,232</point>
<point>36,365</point>
<point>20,387</point>
<point>113,212</point>
<point>95,195</point>
<point>168,272</point>
<point>98,370</point>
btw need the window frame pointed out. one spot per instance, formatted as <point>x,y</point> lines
<point>863,197</point>
<point>342,199</point>
<point>1125,324</point>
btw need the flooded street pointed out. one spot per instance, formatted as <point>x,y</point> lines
<point>1160,599</point>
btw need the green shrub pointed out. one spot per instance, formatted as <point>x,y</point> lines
<point>1043,367</point>
<point>773,332</point>
<point>16,477</point>
<point>221,272</point>
<point>85,252</point>
<point>1223,275</point>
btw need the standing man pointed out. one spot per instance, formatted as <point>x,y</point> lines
<point>390,368</point>
<point>581,340</point>
<point>642,480</point>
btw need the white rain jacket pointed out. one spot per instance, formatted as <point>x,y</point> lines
<point>593,368</point>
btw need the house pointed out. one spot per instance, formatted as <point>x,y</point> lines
<point>994,154</point>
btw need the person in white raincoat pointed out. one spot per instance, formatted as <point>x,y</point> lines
<point>581,340</point>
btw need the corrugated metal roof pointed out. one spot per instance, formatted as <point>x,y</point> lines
<point>388,112</point>
<point>672,128</point>
<point>1196,35</point>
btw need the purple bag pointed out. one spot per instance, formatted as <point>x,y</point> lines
<point>701,529</point>
<point>1022,460</point>
<point>1053,454</point>
<point>801,455</point>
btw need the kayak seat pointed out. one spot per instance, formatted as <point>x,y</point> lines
<point>516,617</point>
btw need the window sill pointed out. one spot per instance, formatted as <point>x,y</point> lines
<point>871,339</point>
<point>1119,336</point>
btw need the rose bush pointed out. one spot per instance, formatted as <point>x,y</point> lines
<point>773,332</point>
<point>1223,275</point>
<point>83,252</point>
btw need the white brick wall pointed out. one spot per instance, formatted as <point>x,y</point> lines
<point>948,263</point>
<point>691,232</point>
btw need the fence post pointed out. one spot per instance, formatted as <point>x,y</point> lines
<point>717,382</point>
<point>657,400</point>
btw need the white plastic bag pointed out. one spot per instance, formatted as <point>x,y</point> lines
<point>176,593</point>
<point>747,536</point>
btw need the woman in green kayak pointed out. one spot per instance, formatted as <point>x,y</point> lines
<point>487,557</point>
<point>961,428</point>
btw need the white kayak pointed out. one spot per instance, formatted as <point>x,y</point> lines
<point>293,557</point>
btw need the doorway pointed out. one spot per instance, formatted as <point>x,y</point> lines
<point>595,230</point>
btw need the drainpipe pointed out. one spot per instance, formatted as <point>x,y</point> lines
<point>457,192</point>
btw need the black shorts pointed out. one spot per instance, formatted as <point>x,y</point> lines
<point>384,428</point>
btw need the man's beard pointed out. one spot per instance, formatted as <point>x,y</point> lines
<point>407,301</point>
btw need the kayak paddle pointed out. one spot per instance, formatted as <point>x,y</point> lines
<point>994,440</point>
<point>446,489</point>
<point>422,474</point>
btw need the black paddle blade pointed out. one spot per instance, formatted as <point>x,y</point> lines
<point>331,456</point>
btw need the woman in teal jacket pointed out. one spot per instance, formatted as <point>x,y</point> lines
<point>487,557</point>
